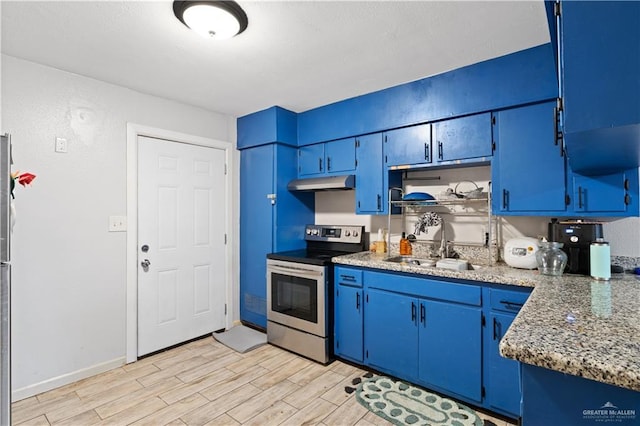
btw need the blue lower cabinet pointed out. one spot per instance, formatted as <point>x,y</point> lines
<point>435,343</point>
<point>391,333</point>
<point>501,375</point>
<point>349,308</point>
<point>450,347</point>
<point>553,398</point>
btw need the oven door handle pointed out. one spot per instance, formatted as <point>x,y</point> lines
<point>298,272</point>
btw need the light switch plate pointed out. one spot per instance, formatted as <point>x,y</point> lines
<point>117,223</point>
<point>61,145</point>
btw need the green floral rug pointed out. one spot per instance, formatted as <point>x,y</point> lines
<point>405,404</point>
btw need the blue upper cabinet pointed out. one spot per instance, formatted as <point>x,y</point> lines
<point>600,65</point>
<point>271,125</point>
<point>514,79</point>
<point>615,194</point>
<point>528,168</point>
<point>462,138</point>
<point>336,157</point>
<point>408,146</point>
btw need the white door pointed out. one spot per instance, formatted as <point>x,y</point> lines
<point>181,240</point>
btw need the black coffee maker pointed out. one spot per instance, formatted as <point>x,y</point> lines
<point>577,236</point>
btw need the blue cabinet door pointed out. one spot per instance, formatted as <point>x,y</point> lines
<point>502,380</point>
<point>256,237</point>
<point>370,194</point>
<point>340,156</point>
<point>391,333</point>
<point>600,84</point>
<point>606,194</point>
<point>408,146</point>
<point>451,347</point>
<point>528,168</point>
<point>311,160</point>
<point>348,342</point>
<point>463,138</point>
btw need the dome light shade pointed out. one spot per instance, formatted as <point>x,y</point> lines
<point>212,19</point>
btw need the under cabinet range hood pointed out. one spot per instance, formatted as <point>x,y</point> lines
<point>324,183</point>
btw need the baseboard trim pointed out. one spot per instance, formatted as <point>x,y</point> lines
<point>65,379</point>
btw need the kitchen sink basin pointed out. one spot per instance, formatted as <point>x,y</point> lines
<point>410,260</point>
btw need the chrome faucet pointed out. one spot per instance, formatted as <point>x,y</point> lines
<point>444,249</point>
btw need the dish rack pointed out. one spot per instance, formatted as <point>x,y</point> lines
<point>481,199</point>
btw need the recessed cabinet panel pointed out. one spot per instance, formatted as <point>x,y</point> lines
<point>340,155</point>
<point>348,336</point>
<point>408,146</point>
<point>371,197</point>
<point>311,160</point>
<point>462,138</point>
<point>528,169</point>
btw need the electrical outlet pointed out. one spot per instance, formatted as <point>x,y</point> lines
<point>117,223</point>
<point>61,145</point>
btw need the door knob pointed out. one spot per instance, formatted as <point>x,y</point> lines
<point>145,265</point>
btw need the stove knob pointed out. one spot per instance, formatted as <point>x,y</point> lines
<point>347,233</point>
<point>308,231</point>
<point>314,232</point>
<point>355,233</point>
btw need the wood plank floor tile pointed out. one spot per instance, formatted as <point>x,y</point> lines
<point>254,358</point>
<point>262,401</point>
<point>375,419</point>
<point>124,402</point>
<point>337,394</point>
<point>86,418</point>
<point>195,386</point>
<point>108,382</point>
<point>234,382</point>
<point>22,414</point>
<point>347,370</point>
<point>36,421</point>
<point>279,374</point>
<point>173,411</point>
<point>209,367</point>
<point>311,414</point>
<point>346,414</point>
<point>364,422</point>
<point>216,408</point>
<point>279,412</point>
<point>313,389</point>
<point>32,400</point>
<point>93,401</point>
<point>176,422</point>
<point>282,360</point>
<point>171,370</point>
<point>223,420</point>
<point>308,373</point>
<point>72,387</point>
<point>134,413</point>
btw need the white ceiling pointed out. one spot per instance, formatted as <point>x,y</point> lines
<point>296,54</point>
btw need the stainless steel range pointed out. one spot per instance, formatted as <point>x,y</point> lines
<point>300,290</point>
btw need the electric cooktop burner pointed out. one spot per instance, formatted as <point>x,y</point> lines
<point>323,243</point>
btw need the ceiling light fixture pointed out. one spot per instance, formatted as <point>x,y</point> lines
<point>212,19</point>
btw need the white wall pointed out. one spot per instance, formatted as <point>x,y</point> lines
<point>68,271</point>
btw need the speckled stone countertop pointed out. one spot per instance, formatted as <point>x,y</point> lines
<point>571,324</point>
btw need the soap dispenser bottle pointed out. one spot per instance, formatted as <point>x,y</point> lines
<point>405,246</point>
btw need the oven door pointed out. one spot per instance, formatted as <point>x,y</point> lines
<point>296,295</point>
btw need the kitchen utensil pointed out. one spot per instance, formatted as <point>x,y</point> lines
<point>473,193</point>
<point>418,196</point>
<point>521,252</point>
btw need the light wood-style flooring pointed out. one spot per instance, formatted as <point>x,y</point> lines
<point>205,383</point>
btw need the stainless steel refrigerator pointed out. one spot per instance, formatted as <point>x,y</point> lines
<point>5,280</point>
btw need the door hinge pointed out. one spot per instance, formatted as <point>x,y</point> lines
<point>367,354</point>
<point>385,159</point>
<point>225,168</point>
<point>367,298</point>
<point>567,199</point>
<point>627,199</point>
<point>225,309</point>
<point>483,392</point>
<point>557,10</point>
<point>225,239</point>
<point>357,143</point>
<point>484,320</point>
<point>356,163</point>
<point>337,343</point>
<point>493,120</point>
<point>493,147</point>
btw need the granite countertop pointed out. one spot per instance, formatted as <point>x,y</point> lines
<point>571,324</point>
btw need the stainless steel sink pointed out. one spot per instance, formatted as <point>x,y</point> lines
<point>410,260</point>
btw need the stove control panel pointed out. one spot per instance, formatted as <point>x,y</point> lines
<point>334,233</point>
